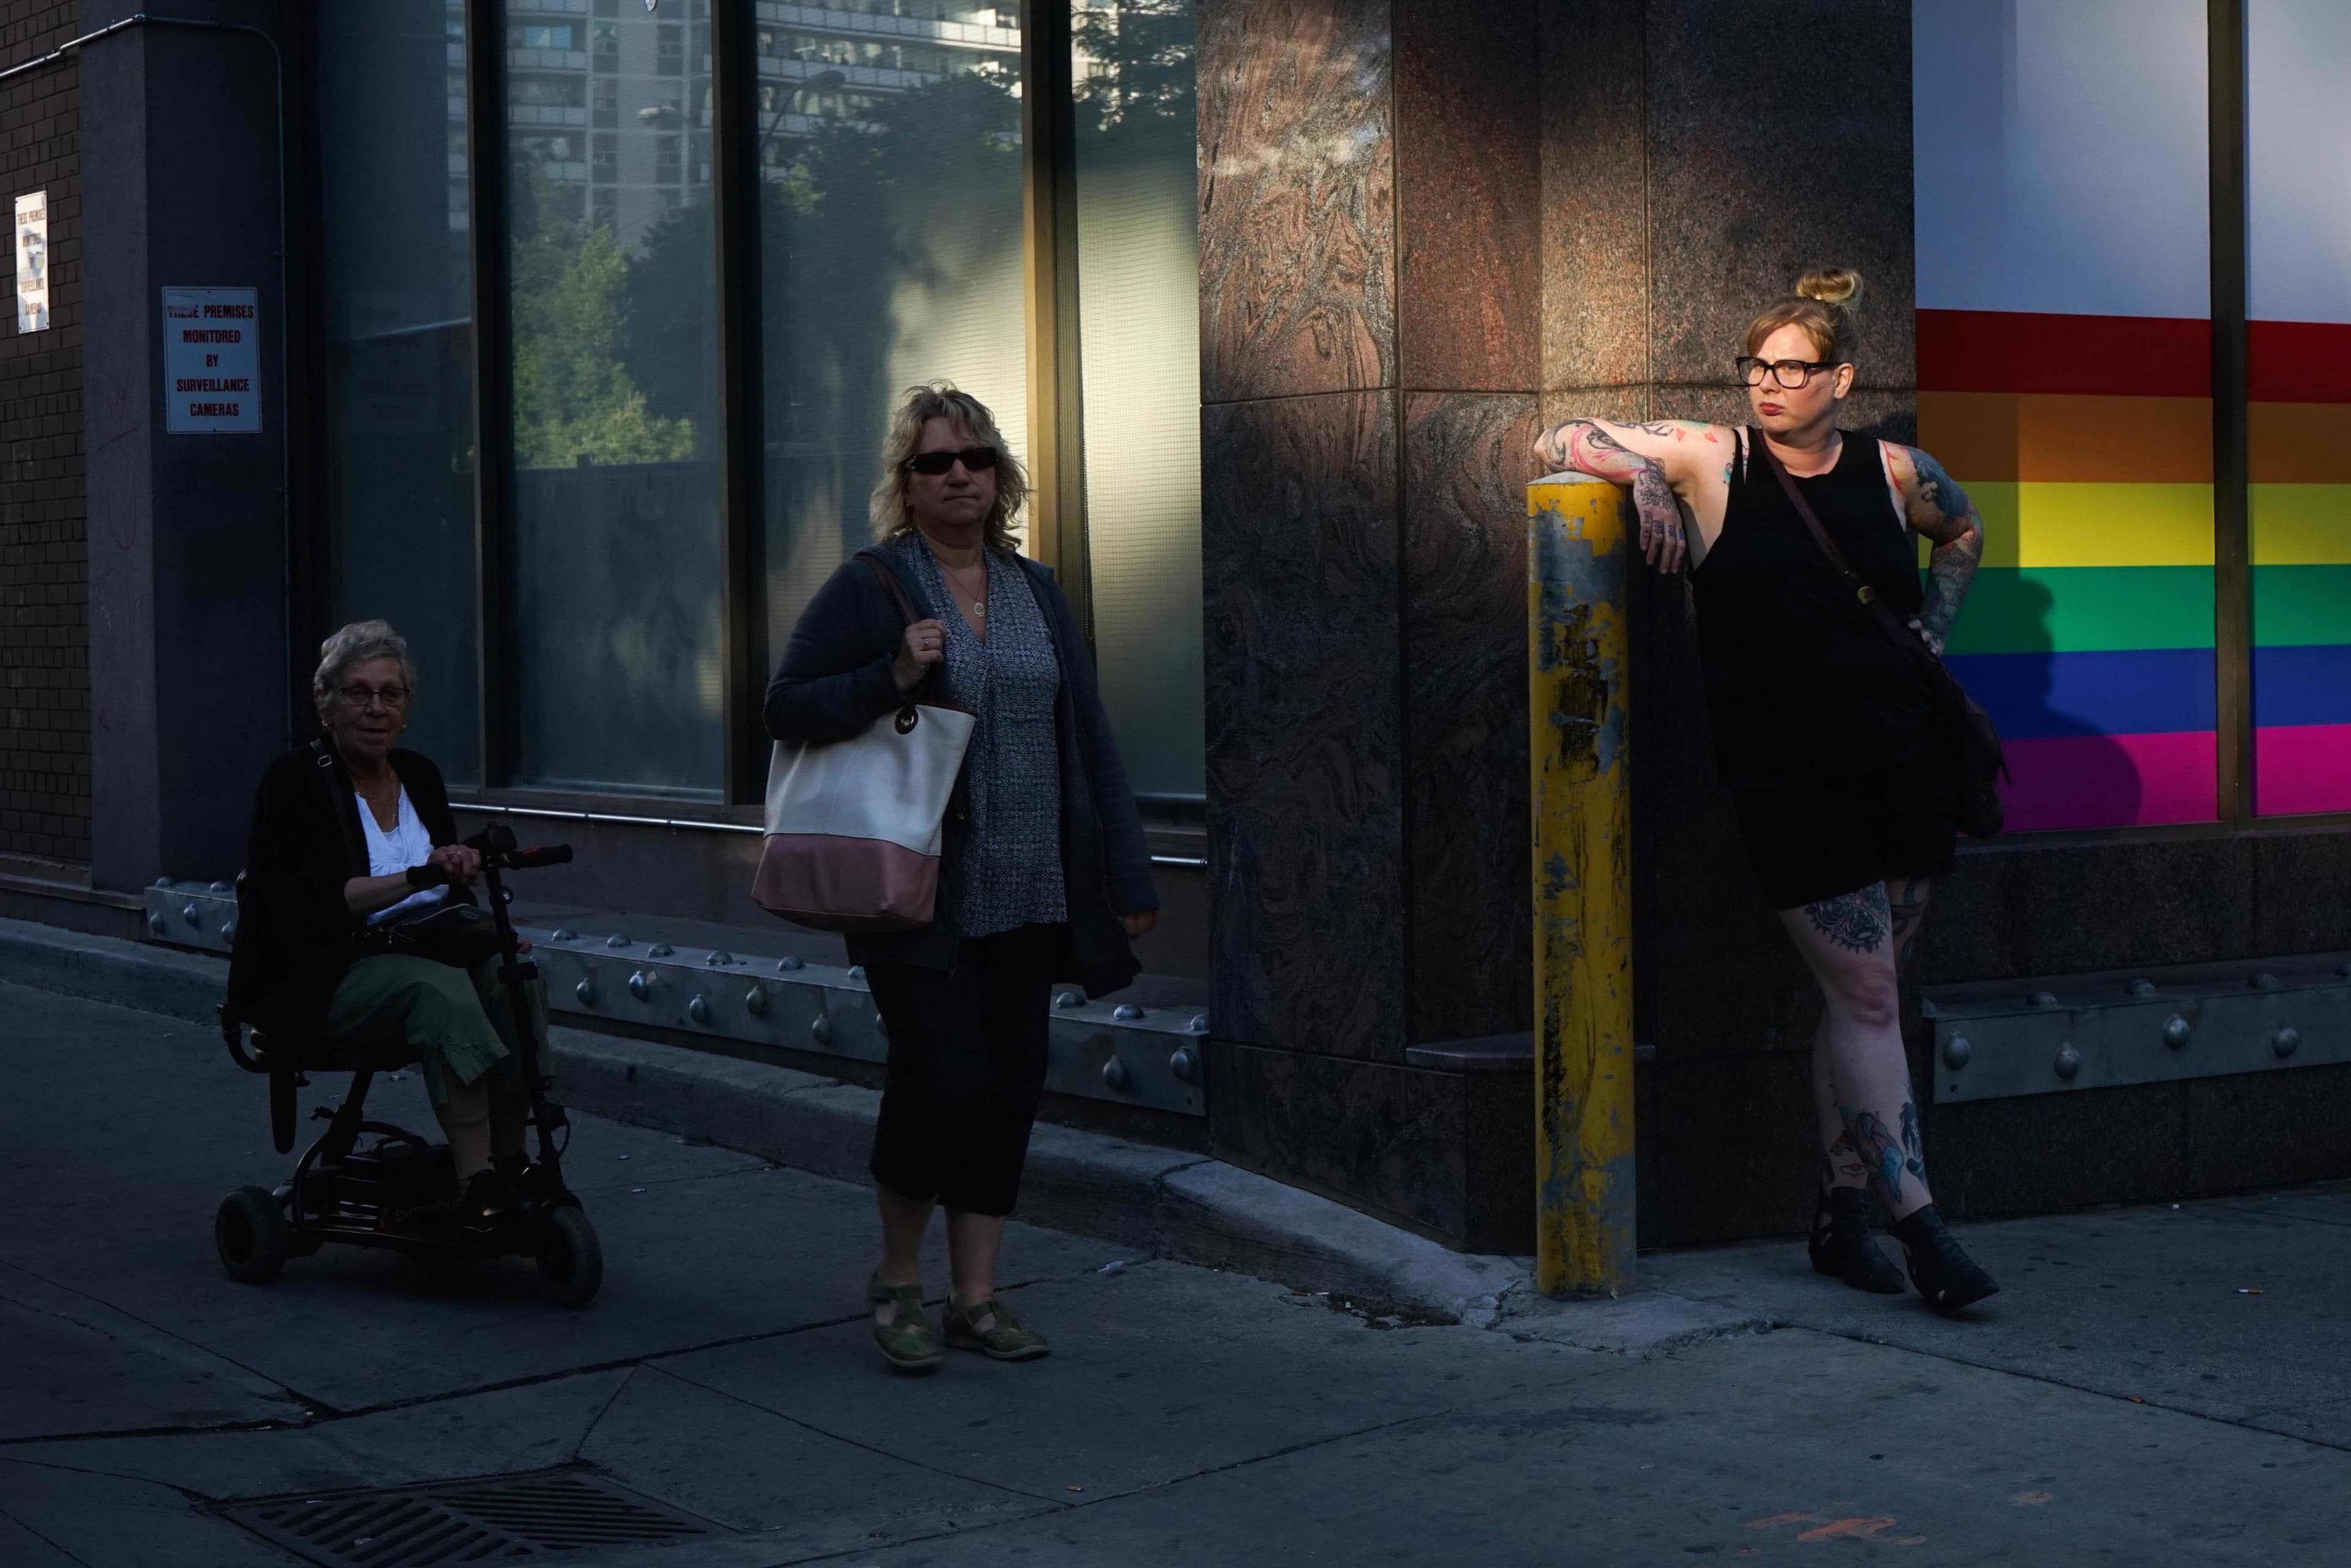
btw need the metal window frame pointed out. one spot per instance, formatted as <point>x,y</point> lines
<point>2232,583</point>
<point>487,238</point>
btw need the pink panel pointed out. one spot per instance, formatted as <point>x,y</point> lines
<point>2302,768</point>
<point>2112,780</point>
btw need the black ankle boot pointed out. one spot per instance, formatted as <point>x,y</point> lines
<point>489,1203</point>
<point>1944,1274</point>
<point>1842,1246</point>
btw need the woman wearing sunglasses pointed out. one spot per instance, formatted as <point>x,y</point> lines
<point>1043,873</point>
<point>1826,731</point>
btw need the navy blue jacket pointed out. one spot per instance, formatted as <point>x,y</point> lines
<point>835,680</point>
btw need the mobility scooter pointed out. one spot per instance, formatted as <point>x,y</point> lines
<point>398,1191</point>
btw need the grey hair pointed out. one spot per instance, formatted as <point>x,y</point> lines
<point>356,644</point>
<point>970,418</point>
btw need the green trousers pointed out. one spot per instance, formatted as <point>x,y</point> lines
<point>458,1022</point>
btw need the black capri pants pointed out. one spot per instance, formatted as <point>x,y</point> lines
<point>967,1069</point>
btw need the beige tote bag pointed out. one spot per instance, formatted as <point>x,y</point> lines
<point>855,826</point>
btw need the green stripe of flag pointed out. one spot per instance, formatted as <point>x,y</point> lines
<point>2085,610</point>
<point>2300,605</point>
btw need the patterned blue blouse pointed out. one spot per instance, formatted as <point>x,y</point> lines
<point>1013,855</point>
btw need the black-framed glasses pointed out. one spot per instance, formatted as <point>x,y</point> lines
<point>976,459</point>
<point>360,696</point>
<point>1793,374</point>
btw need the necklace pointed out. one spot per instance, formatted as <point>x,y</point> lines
<point>954,580</point>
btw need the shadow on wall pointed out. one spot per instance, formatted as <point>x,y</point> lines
<point>2064,772</point>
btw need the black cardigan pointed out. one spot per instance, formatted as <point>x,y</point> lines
<point>835,680</point>
<point>294,934</point>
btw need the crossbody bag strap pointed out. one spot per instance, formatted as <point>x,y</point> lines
<point>346,815</point>
<point>1888,621</point>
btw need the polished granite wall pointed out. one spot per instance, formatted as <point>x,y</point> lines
<point>1424,227</point>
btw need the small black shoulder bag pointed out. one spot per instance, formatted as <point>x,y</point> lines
<point>1975,741</point>
<point>453,931</point>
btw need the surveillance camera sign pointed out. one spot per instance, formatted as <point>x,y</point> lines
<point>212,362</point>
<point>33,262</point>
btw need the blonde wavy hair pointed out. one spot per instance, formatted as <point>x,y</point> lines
<point>974,424</point>
<point>1823,305</point>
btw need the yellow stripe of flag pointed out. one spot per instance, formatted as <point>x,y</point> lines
<point>2049,523</point>
<point>2300,524</point>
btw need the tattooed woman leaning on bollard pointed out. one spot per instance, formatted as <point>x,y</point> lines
<point>1841,777</point>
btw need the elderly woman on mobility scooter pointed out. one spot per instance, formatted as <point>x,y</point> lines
<point>358,928</point>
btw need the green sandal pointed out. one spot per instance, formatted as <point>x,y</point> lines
<point>1003,1340</point>
<point>906,1341</point>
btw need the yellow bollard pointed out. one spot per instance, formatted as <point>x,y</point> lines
<point>1578,549</point>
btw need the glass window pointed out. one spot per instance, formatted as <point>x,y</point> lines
<point>891,240</point>
<point>1139,337</point>
<point>398,287</point>
<point>614,499</point>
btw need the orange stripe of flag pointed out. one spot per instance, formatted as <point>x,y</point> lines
<point>2298,443</point>
<point>2071,437</point>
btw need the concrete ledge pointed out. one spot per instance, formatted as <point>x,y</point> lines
<point>1165,1202</point>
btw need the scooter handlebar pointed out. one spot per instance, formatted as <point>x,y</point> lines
<point>546,854</point>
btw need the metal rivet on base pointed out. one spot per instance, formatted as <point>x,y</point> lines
<point>2285,1043</point>
<point>1114,1075</point>
<point>563,933</point>
<point>1184,1065</point>
<point>2264,981</point>
<point>719,960</point>
<point>2044,999</point>
<point>881,1024</point>
<point>586,991</point>
<point>193,915</point>
<point>220,887</point>
<point>2177,1032</point>
<point>616,940</point>
<point>1956,1052</point>
<point>857,971</point>
<point>163,881</point>
<point>755,1001</point>
<point>1199,1024</point>
<point>660,950</point>
<point>786,964</point>
<point>2068,1063</point>
<point>2141,987</point>
<point>641,985</point>
<point>228,932</point>
<point>157,924</point>
<point>1126,1012</point>
<point>1070,999</point>
<point>820,1029</point>
<point>698,1010</point>
<point>1926,1007</point>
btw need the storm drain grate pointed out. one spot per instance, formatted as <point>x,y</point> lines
<point>492,1520</point>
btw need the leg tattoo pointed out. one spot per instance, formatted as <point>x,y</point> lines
<point>1871,1136</point>
<point>1857,922</point>
<point>1914,1149</point>
<point>1843,1162</point>
<point>1908,907</point>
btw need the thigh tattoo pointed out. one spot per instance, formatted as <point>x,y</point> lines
<point>1857,922</point>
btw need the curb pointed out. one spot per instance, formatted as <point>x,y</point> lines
<point>1165,1202</point>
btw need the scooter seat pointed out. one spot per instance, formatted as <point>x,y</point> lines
<point>328,1054</point>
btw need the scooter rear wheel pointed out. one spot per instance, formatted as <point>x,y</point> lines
<point>249,1233</point>
<point>570,1258</point>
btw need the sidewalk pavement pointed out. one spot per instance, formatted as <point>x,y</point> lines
<point>2121,1401</point>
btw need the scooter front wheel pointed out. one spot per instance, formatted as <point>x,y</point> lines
<point>250,1234</point>
<point>570,1258</point>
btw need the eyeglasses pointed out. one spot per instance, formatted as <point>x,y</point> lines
<point>975,459</point>
<point>1793,374</point>
<point>361,696</point>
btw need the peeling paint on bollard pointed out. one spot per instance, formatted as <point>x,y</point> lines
<point>1577,558</point>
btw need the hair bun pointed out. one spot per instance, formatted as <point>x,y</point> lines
<point>1830,286</point>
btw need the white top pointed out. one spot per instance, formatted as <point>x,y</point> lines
<point>407,845</point>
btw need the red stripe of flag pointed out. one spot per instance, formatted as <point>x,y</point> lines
<point>2035,352</point>
<point>2296,361</point>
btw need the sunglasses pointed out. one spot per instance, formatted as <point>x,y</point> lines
<point>975,459</point>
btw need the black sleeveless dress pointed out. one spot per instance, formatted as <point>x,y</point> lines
<point>1825,731</point>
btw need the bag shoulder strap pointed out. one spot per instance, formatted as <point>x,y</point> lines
<point>893,588</point>
<point>1887,619</point>
<point>345,812</point>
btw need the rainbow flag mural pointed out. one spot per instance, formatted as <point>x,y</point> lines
<point>2065,380</point>
<point>2298,416</point>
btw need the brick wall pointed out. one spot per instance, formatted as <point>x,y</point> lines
<point>43,552</point>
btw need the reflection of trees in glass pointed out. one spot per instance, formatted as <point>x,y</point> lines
<point>574,397</point>
<point>1138,57</point>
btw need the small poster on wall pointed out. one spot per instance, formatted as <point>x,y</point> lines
<point>33,262</point>
<point>212,362</point>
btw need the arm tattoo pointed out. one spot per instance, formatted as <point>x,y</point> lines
<point>1592,450</point>
<point>1940,510</point>
<point>1856,922</point>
